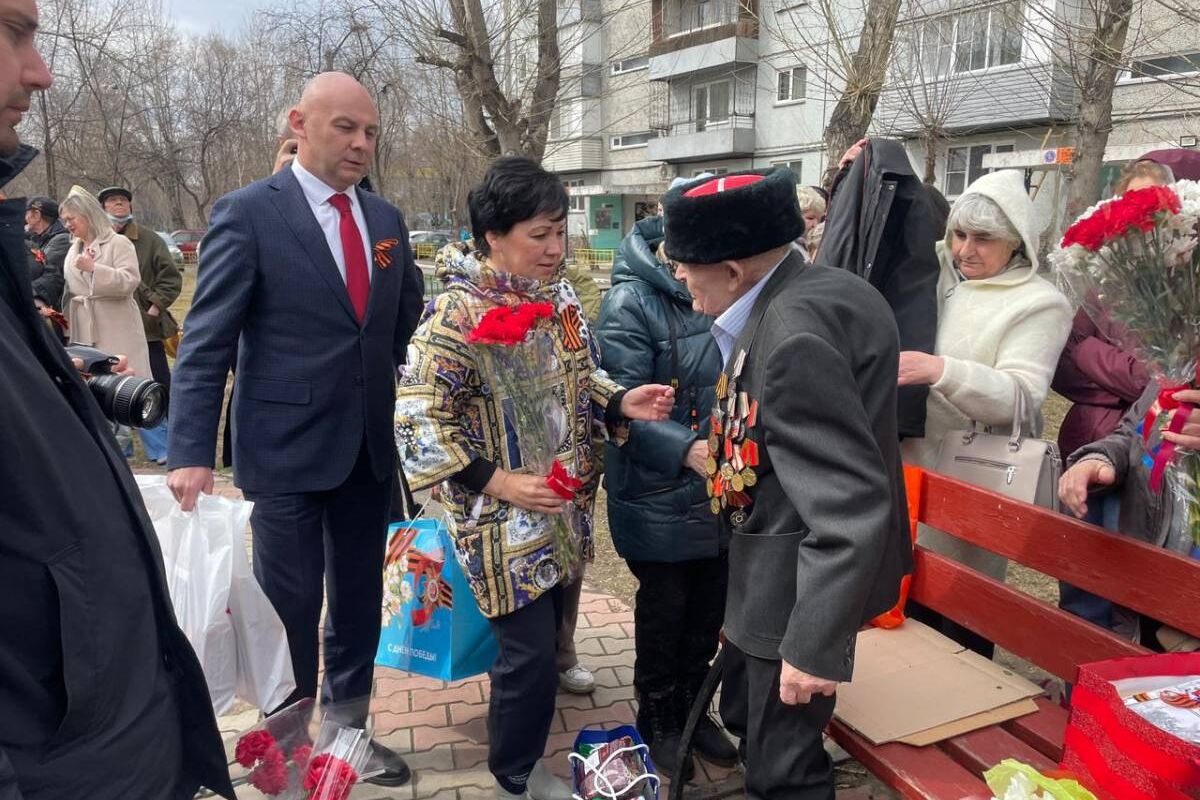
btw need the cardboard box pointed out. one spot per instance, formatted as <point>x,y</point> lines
<point>914,685</point>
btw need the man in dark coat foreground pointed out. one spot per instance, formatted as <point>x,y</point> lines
<point>881,227</point>
<point>804,466</point>
<point>101,696</point>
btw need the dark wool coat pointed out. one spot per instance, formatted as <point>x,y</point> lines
<point>648,333</point>
<point>101,694</point>
<point>46,273</point>
<point>880,227</point>
<point>826,540</point>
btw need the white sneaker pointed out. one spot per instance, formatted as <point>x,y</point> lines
<point>577,680</point>
<point>543,785</point>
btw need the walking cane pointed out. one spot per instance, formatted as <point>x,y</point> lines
<point>699,708</point>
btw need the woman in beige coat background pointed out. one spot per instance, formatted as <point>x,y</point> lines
<point>102,275</point>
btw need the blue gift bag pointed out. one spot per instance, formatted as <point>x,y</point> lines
<point>432,625</point>
<point>596,776</point>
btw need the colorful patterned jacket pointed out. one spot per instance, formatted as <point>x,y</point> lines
<point>448,413</point>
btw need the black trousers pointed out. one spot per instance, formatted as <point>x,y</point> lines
<point>524,685</point>
<point>159,368</point>
<point>336,536</point>
<point>785,757</point>
<point>677,617</point>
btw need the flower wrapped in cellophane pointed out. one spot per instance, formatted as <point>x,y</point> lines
<point>519,363</point>
<point>276,751</point>
<point>1133,261</point>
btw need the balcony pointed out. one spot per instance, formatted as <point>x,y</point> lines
<point>704,118</point>
<point>582,154</point>
<point>682,24</point>
<point>572,12</point>
<point>580,81</point>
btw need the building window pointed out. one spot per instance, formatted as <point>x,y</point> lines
<point>711,104</point>
<point>791,84</point>
<point>1165,66</point>
<point>969,41</point>
<point>630,65</point>
<point>577,201</point>
<point>964,165</point>
<point>627,140</point>
<point>797,167</point>
<point>713,171</point>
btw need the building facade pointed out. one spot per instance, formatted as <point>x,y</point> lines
<point>673,88</point>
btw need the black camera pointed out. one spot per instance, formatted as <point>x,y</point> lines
<point>125,399</point>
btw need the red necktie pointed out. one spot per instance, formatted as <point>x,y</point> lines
<point>358,279</point>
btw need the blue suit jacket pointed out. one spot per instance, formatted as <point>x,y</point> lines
<point>311,381</point>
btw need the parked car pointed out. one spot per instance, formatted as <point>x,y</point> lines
<point>187,240</point>
<point>172,248</point>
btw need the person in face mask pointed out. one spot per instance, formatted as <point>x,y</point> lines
<point>161,283</point>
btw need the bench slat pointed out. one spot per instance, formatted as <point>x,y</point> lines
<point>983,749</point>
<point>1044,730</point>
<point>1124,570</point>
<point>918,773</point>
<point>1049,637</point>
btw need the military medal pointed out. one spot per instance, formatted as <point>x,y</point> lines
<point>731,455</point>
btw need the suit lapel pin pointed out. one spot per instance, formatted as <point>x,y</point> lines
<point>383,252</point>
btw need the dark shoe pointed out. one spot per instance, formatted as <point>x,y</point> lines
<point>658,722</point>
<point>709,742</point>
<point>386,767</point>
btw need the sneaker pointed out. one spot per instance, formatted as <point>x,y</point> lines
<point>162,462</point>
<point>577,680</point>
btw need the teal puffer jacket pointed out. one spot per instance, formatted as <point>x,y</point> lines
<point>648,333</point>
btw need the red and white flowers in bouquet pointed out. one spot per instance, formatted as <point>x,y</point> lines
<point>1134,260</point>
<point>518,358</point>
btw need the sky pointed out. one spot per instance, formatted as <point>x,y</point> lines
<point>203,16</point>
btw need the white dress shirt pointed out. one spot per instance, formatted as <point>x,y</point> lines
<point>317,192</point>
<point>728,327</point>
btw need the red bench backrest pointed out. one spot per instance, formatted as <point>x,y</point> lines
<point>1148,579</point>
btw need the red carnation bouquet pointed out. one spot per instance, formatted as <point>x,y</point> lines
<point>520,364</point>
<point>282,760</point>
<point>275,752</point>
<point>1133,260</point>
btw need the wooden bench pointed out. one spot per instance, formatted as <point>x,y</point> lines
<point>1138,576</point>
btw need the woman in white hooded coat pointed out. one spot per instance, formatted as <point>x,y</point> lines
<point>1001,327</point>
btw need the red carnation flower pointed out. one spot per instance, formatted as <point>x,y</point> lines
<point>253,746</point>
<point>562,482</point>
<point>1137,209</point>
<point>508,325</point>
<point>271,776</point>
<point>301,755</point>
<point>333,776</point>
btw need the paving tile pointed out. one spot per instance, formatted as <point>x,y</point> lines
<point>620,712</point>
<point>388,721</point>
<point>462,713</point>
<point>458,693</point>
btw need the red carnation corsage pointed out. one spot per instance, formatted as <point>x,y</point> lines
<point>252,747</point>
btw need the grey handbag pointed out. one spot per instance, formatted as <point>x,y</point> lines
<point>1023,468</point>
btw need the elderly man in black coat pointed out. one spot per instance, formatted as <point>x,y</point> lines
<point>804,466</point>
<point>101,697</point>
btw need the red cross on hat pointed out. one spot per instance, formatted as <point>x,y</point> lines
<point>717,185</point>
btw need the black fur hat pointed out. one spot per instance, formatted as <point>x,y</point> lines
<point>732,216</point>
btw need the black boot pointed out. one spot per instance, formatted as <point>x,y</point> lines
<point>709,741</point>
<point>658,722</point>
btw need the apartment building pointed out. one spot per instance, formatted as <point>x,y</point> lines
<point>680,87</point>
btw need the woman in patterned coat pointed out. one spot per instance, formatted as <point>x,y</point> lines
<point>451,433</point>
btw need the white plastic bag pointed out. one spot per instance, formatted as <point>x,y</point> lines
<point>197,553</point>
<point>264,663</point>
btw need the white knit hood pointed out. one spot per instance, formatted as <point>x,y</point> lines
<point>1006,188</point>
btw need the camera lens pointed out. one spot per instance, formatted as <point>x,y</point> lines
<point>136,402</point>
